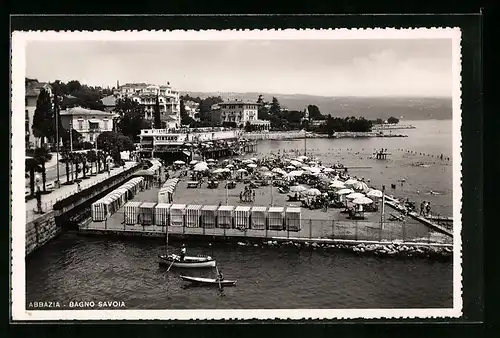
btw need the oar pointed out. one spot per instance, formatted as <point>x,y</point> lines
<point>217,271</point>
<point>173,260</point>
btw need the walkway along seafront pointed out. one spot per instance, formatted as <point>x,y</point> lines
<point>64,203</point>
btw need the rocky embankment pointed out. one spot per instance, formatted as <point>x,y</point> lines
<point>384,250</point>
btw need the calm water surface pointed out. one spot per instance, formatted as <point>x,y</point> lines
<point>422,173</point>
<point>73,268</point>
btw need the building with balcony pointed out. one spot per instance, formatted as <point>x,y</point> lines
<point>89,123</point>
<point>146,94</point>
<point>32,90</point>
<point>239,112</point>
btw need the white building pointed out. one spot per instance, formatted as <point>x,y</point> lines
<point>33,89</point>
<point>192,108</point>
<point>146,94</point>
<point>238,112</point>
<point>89,123</point>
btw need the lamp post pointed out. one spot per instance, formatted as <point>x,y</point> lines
<point>382,208</point>
<point>71,134</point>
<point>56,108</point>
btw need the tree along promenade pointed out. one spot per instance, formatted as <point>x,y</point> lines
<point>65,191</point>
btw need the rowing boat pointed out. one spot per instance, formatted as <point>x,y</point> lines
<point>208,281</point>
<point>187,262</point>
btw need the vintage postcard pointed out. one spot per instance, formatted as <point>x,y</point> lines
<point>184,175</point>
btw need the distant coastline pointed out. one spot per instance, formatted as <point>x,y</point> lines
<point>298,135</point>
<point>378,127</point>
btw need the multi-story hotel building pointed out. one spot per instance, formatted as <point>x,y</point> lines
<point>146,95</point>
<point>241,112</point>
<point>238,112</point>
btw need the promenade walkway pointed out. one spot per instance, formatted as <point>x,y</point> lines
<point>65,191</point>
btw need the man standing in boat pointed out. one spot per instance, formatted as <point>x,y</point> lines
<point>183,252</point>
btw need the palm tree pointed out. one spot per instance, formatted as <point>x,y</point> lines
<point>42,156</point>
<point>84,164</point>
<point>76,159</point>
<point>66,159</point>
<point>32,166</point>
<point>99,159</point>
<point>92,158</point>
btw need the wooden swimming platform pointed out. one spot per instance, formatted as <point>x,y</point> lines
<point>440,218</point>
<point>393,203</point>
<point>381,155</point>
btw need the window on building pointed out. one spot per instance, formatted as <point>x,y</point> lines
<point>80,125</point>
<point>91,137</point>
<point>105,124</point>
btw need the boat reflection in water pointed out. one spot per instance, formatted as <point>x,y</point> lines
<point>200,281</point>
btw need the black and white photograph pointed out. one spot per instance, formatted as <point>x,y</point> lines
<point>236,174</point>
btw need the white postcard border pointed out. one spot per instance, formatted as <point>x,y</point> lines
<point>18,282</point>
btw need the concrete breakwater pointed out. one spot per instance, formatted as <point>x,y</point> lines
<point>297,135</point>
<point>392,126</point>
<point>350,134</point>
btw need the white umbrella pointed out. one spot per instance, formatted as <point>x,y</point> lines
<point>179,162</point>
<point>211,160</point>
<point>241,170</point>
<point>296,173</point>
<point>218,171</point>
<point>362,200</point>
<point>354,195</point>
<point>252,165</point>
<point>337,184</point>
<point>253,159</point>
<point>193,162</point>
<point>374,193</point>
<point>350,182</point>
<point>279,171</point>
<point>226,170</point>
<point>296,163</point>
<point>345,191</point>
<point>264,168</point>
<point>314,170</point>
<point>247,161</point>
<point>230,166</point>
<point>268,173</point>
<point>290,167</point>
<point>302,158</point>
<point>202,167</point>
<point>313,192</point>
<point>361,186</point>
<point>328,170</point>
<point>312,163</point>
<point>297,188</point>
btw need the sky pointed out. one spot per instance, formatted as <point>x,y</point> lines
<point>312,67</point>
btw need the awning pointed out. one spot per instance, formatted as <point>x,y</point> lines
<point>187,153</point>
<point>94,121</point>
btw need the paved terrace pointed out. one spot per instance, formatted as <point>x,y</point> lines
<point>315,223</point>
<point>65,191</point>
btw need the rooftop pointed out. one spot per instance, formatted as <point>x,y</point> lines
<point>109,101</point>
<point>33,88</point>
<point>85,111</point>
<point>238,102</point>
